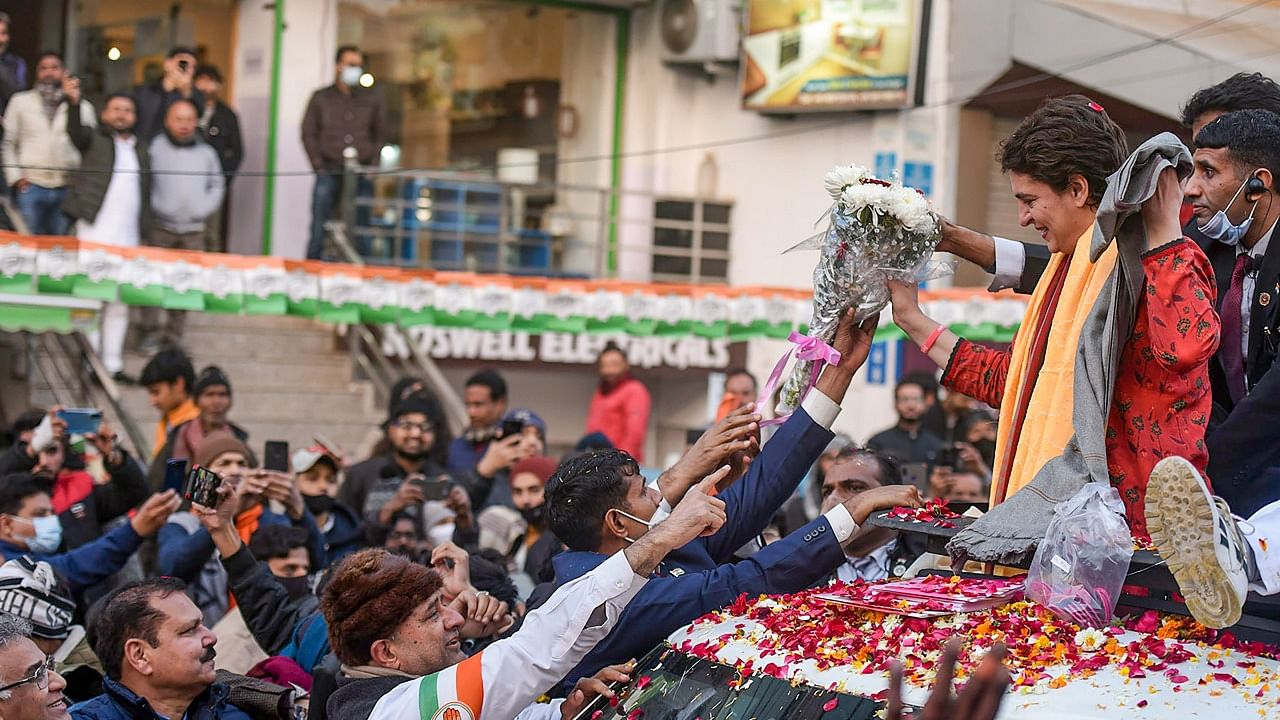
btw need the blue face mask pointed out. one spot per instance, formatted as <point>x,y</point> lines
<point>1220,228</point>
<point>48,537</point>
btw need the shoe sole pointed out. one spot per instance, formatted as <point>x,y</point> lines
<point>1181,521</point>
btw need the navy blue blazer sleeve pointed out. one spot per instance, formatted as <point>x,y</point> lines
<point>1246,445</point>
<point>90,564</point>
<point>774,476</point>
<point>792,564</point>
<point>181,554</point>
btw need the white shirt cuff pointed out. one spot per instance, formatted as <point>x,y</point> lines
<point>821,408</point>
<point>842,524</point>
<point>662,513</point>
<point>1011,259</point>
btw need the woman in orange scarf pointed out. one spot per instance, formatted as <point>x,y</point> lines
<point>1058,161</point>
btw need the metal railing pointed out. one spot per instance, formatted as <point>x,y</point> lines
<point>77,378</point>
<point>473,223</point>
<point>364,341</point>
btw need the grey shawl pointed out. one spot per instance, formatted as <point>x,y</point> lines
<point>1010,532</point>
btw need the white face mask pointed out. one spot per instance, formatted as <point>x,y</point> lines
<point>1220,228</point>
<point>624,513</point>
<point>351,75</point>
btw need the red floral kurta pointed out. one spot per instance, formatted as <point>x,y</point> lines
<point>1162,400</point>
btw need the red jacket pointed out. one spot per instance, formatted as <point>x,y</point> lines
<point>622,414</point>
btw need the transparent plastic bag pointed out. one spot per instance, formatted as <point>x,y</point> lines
<point>1082,562</point>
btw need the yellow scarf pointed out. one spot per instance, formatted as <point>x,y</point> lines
<point>1047,424</point>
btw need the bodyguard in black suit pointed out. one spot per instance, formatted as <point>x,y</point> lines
<point>1234,195</point>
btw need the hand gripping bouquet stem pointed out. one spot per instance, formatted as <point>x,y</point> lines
<point>879,231</point>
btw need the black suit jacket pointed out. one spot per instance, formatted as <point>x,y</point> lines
<point>1244,437</point>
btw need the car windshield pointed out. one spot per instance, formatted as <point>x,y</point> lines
<point>669,685</point>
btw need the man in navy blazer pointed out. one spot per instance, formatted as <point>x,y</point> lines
<point>598,504</point>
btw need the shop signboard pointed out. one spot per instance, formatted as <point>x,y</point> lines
<point>829,55</point>
<point>644,352</point>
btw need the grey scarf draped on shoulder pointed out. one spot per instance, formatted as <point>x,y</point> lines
<point>1009,533</point>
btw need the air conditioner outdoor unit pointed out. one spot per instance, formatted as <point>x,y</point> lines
<point>698,32</point>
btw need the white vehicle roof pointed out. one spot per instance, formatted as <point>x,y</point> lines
<point>733,639</point>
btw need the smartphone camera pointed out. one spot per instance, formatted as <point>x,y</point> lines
<point>948,456</point>
<point>434,488</point>
<point>202,487</point>
<point>511,428</point>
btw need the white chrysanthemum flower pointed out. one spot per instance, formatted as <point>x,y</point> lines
<point>1091,639</point>
<point>842,177</point>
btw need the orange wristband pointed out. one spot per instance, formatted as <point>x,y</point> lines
<point>933,339</point>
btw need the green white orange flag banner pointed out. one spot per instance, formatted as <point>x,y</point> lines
<point>343,293</point>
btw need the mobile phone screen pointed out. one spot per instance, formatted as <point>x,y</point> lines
<point>175,475</point>
<point>275,456</point>
<point>81,421</point>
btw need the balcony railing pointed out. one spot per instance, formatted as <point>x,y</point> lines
<point>451,221</point>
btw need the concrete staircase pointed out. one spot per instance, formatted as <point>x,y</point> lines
<point>289,380</point>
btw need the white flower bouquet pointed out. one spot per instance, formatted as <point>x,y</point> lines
<point>879,231</point>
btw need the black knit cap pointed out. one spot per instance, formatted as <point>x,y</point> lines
<point>419,402</point>
<point>210,377</point>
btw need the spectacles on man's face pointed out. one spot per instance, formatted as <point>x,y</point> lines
<point>424,428</point>
<point>40,677</point>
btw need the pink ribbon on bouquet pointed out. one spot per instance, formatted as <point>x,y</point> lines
<point>805,347</point>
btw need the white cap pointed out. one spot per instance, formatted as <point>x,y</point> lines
<point>305,458</point>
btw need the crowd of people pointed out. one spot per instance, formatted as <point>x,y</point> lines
<point>477,561</point>
<point>479,572</point>
<point>154,165</point>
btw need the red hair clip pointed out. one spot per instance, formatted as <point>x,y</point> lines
<point>1095,107</point>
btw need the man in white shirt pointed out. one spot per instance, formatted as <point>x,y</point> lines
<point>110,200</point>
<point>404,660</point>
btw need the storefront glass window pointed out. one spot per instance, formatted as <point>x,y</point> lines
<point>472,84</point>
<point>516,100</point>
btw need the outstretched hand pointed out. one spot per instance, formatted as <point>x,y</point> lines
<point>980,699</point>
<point>853,340</point>
<point>155,512</point>
<point>699,513</point>
<point>589,688</point>
<point>734,440</point>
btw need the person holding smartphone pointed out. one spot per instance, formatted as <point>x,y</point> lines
<point>521,434</point>
<point>154,99</point>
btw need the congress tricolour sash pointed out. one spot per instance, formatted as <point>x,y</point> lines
<point>455,693</point>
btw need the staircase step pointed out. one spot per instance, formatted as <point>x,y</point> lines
<point>252,342</point>
<point>311,372</point>
<point>278,322</point>
<point>289,377</point>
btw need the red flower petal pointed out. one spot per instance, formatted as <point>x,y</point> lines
<point>828,706</point>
